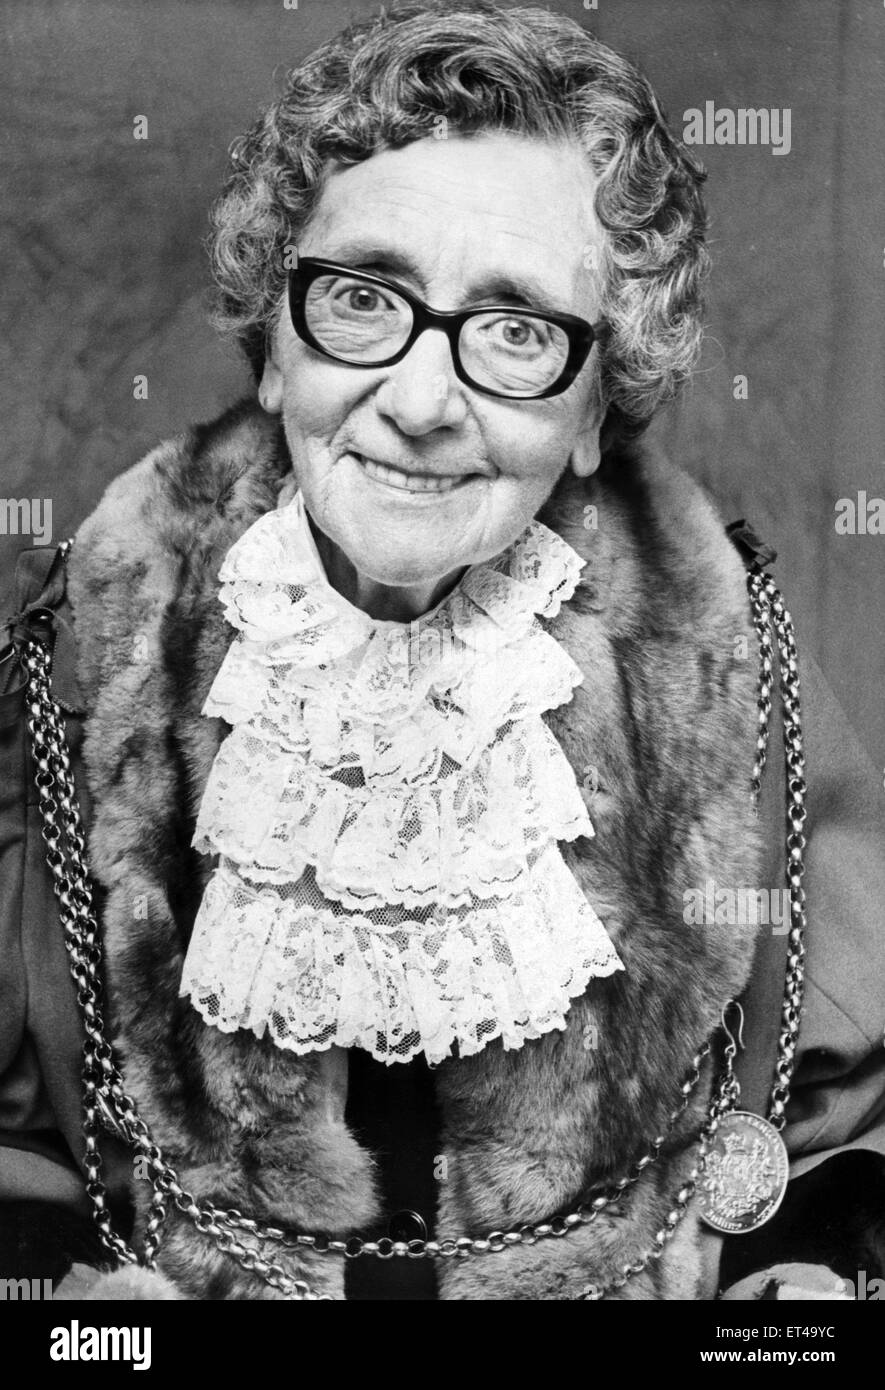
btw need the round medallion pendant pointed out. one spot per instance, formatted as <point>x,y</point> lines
<point>745,1176</point>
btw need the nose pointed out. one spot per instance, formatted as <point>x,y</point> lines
<point>421,393</point>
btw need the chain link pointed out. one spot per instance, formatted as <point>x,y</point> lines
<point>105,1101</point>
<point>769,610</point>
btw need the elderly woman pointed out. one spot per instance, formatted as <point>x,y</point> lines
<point>418,707</point>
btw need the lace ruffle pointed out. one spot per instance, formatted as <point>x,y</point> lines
<point>295,708</point>
<point>439,841</point>
<point>386,808</point>
<point>313,975</point>
<point>270,591</point>
<point>467,649</point>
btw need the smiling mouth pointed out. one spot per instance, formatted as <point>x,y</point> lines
<point>411,482</point>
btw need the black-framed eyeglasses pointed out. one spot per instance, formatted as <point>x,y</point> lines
<point>365,320</point>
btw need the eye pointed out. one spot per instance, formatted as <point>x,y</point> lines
<point>516,334</point>
<point>362,299</point>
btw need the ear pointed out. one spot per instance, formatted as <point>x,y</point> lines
<point>270,390</point>
<point>586,453</point>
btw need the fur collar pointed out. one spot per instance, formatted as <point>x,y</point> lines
<point>661,733</point>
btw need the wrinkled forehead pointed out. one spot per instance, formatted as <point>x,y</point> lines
<point>467,217</point>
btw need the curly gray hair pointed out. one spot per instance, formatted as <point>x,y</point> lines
<point>387,82</point>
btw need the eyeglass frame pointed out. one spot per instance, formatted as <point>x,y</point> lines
<point>581,335</point>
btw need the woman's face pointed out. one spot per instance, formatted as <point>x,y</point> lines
<point>461,222</point>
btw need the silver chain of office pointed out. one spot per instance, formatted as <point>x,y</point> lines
<point>248,1242</point>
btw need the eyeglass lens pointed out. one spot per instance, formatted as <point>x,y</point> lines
<point>368,324</point>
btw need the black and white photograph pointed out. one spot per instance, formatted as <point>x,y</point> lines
<point>442,756</point>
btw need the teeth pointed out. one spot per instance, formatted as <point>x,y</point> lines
<point>408,482</point>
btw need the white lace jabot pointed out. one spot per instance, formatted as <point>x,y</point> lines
<point>386,809</point>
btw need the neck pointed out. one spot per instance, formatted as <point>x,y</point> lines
<point>398,603</point>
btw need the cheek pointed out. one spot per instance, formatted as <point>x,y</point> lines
<point>536,447</point>
<point>312,414</point>
<point>318,396</point>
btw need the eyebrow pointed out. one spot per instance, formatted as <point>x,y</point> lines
<point>493,287</point>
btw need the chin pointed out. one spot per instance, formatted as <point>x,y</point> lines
<point>405,571</point>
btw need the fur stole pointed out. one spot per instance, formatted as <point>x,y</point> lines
<point>661,734</point>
